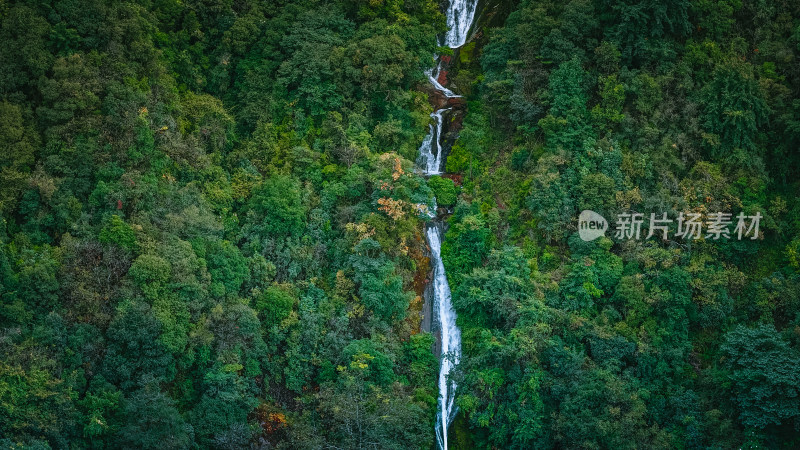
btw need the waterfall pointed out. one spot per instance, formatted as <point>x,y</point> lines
<point>427,159</point>
<point>460,14</point>
<point>450,336</point>
<point>459,19</point>
<point>431,152</point>
<point>433,77</point>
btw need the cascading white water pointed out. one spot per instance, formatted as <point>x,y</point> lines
<point>433,77</point>
<point>460,14</point>
<point>426,157</point>
<point>431,153</point>
<point>459,20</point>
<point>450,337</point>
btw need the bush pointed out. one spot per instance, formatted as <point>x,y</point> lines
<point>444,189</point>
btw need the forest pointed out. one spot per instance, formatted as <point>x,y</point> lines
<point>212,224</point>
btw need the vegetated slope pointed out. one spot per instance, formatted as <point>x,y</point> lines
<point>211,229</point>
<point>652,107</point>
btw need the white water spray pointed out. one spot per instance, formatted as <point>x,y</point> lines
<point>460,14</point>
<point>431,151</point>
<point>433,77</point>
<point>450,337</point>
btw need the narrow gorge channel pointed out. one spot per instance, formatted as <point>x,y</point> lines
<point>432,161</point>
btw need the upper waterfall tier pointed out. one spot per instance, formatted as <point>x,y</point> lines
<point>460,14</point>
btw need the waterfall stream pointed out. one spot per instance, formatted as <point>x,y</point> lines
<point>431,149</point>
<point>460,14</point>
<point>450,336</point>
<point>459,20</point>
<point>433,77</point>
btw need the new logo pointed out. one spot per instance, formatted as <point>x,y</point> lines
<point>591,225</point>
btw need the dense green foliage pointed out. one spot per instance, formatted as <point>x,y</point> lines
<point>648,106</point>
<point>211,233</point>
<point>210,226</point>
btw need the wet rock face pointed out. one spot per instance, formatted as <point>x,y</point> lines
<point>440,101</point>
<point>455,107</point>
<point>451,125</point>
<point>442,79</point>
<point>456,118</point>
<point>437,99</point>
<point>456,103</point>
